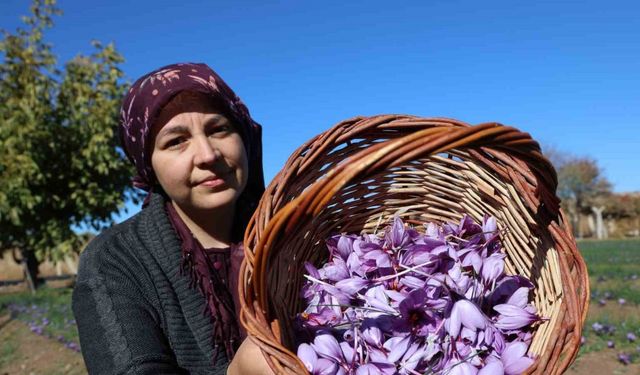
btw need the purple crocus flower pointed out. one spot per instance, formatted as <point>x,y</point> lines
<point>492,337</point>
<point>622,301</point>
<point>462,368</point>
<point>412,282</point>
<point>368,369</point>
<point>414,317</point>
<point>378,258</point>
<point>352,285</point>
<point>609,329</point>
<point>505,289</point>
<point>468,227</point>
<point>464,313</point>
<point>472,259</point>
<point>397,347</point>
<point>373,336</point>
<point>326,346</point>
<point>624,358</point>
<point>514,317</point>
<point>597,327</point>
<point>377,298</point>
<point>411,358</point>
<point>457,280</point>
<point>489,228</point>
<point>611,344</point>
<point>519,298</point>
<point>514,358</point>
<point>493,367</point>
<point>631,337</point>
<point>492,268</point>
<point>315,365</point>
<point>408,303</point>
<point>336,270</point>
<point>324,316</point>
<point>397,237</point>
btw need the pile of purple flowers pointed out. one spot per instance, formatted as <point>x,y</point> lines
<point>412,303</point>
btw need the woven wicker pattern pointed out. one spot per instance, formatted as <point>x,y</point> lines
<point>357,175</point>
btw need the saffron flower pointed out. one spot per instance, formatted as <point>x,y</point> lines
<point>406,302</point>
<point>624,358</point>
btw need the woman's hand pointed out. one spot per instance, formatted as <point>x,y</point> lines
<point>249,360</point>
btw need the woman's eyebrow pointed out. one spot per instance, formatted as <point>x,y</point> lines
<point>216,119</point>
<point>181,129</point>
<point>173,130</point>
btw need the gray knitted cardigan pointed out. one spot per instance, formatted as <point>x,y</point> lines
<point>136,313</point>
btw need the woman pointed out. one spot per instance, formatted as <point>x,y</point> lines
<point>158,292</point>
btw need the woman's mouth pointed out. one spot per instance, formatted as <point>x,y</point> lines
<point>211,182</point>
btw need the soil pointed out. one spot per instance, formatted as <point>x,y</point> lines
<point>23,352</point>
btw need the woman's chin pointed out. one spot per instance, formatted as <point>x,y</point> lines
<point>215,200</point>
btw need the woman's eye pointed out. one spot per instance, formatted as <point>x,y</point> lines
<point>221,129</point>
<point>175,142</point>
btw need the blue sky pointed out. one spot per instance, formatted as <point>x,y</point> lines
<point>566,72</point>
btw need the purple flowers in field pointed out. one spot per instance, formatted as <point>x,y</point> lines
<point>624,358</point>
<point>631,337</point>
<point>37,318</point>
<point>608,332</point>
<point>412,303</point>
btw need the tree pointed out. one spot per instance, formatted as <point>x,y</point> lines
<point>625,209</point>
<point>60,163</point>
<point>583,189</point>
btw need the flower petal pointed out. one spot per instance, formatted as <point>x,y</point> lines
<point>397,346</point>
<point>513,317</point>
<point>518,366</point>
<point>470,315</point>
<point>327,346</point>
<point>352,285</point>
<point>462,368</point>
<point>308,356</point>
<point>325,367</point>
<point>519,298</point>
<point>492,368</point>
<point>312,270</point>
<point>344,247</point>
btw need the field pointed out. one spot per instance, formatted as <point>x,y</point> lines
<point>612,330</point>
<point>38,333</point>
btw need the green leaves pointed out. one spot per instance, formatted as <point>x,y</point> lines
<point>60,164</point>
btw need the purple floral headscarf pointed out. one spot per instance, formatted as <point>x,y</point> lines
<point>140,109</point>
<point>150,93</point>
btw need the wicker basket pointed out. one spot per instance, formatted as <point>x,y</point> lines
<point>364,170</point>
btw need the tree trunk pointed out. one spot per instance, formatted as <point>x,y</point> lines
<point>30,266</point>
<point>574,216</point>
<point>597,212</point>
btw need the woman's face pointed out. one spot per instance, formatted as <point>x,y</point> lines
<point>198,155</point>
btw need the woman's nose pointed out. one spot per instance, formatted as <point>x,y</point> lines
<point>206,153</point>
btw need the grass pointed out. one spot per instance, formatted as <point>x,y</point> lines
<point>48,313</point>
<point>7,351</point>
<point>614,275</point>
